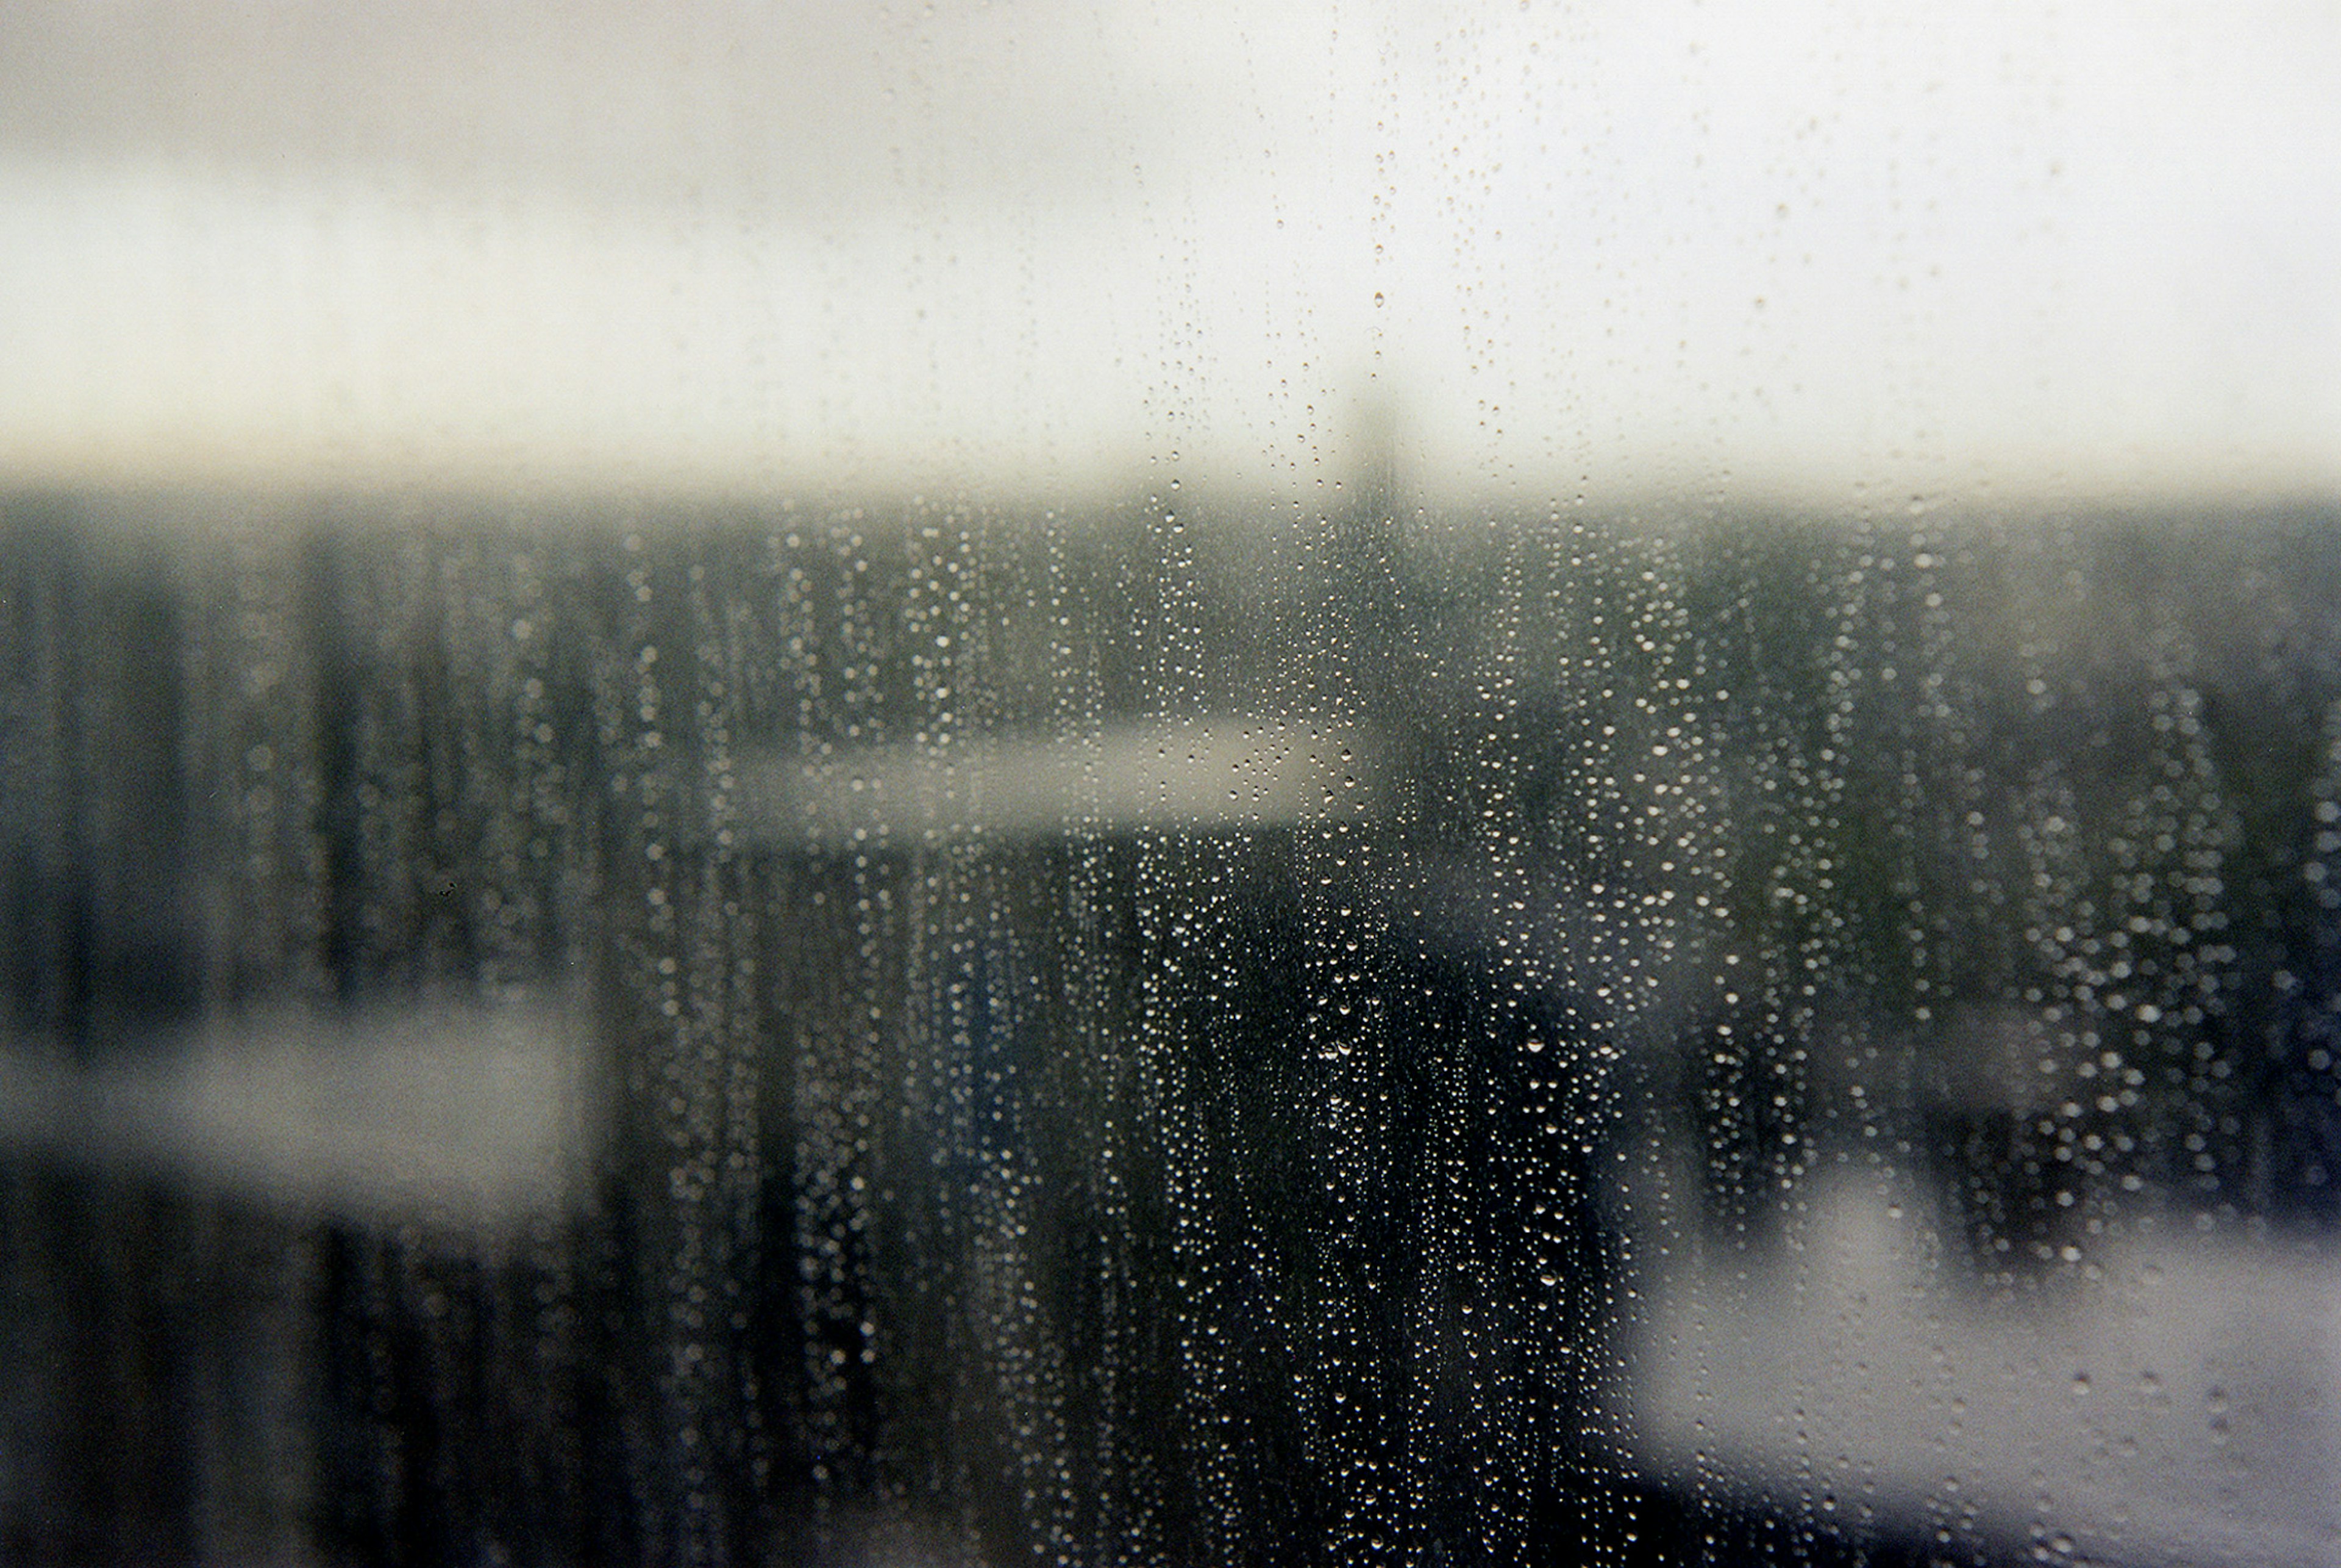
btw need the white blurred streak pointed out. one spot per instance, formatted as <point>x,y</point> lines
<point>1228,772</point>
<point>466,1118</point>
<point>2179,1400</point>
<point>230,330</point>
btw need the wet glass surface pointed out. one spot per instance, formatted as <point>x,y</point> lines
<point>937,1034</point>
<point>1529,782</point>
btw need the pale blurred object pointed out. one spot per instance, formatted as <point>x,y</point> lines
<point>466,1119</point>
<point>1227,772</point>
<point>2174,1399</point>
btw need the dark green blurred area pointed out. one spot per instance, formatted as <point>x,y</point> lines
<point>1242,1190</point>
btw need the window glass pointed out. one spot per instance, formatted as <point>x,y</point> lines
<point>1105,783</point>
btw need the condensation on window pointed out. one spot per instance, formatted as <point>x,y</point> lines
<point>998,785</point>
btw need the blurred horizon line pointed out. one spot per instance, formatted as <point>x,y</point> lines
<point>177,326</point>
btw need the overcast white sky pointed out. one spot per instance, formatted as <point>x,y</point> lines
<point>1024,248</point>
